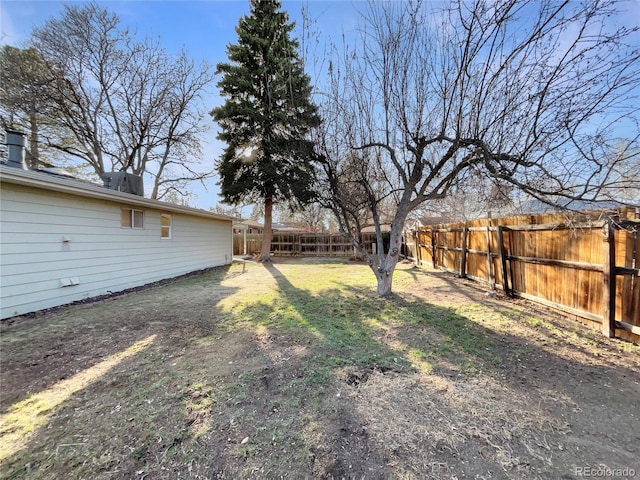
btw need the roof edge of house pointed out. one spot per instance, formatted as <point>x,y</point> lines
<point>71,186</point>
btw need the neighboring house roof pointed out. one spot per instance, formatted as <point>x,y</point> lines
<point>61,184</point>
<point>248,223</point>
<point>538,206</point>
<point>422,221</point>
<point>281,227</point>
<point>372,229</point>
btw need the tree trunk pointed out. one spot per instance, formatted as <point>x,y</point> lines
<point>267,234</point>
<point>385,278</point>
<point>384,273</point>
<point>389,260</point>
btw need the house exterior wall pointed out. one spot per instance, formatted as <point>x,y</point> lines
<point>49,239</point>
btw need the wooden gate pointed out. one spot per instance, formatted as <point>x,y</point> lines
<point>621,279</point>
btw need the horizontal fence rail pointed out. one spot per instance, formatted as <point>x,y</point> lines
<point>587,267</point>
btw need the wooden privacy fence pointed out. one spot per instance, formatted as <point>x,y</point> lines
<point>308,244</point>
<point>587,266</point>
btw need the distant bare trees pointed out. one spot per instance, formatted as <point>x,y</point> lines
<point>623,184</point>
<point>474,196</point>
<point>522,92</point>
<point>122,103</point>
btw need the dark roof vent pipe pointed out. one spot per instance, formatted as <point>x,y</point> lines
<point>16,152</point>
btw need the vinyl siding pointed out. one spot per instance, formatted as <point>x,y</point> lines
<point>104,256</point>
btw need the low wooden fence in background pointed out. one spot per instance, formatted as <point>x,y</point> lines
<point>303,244</point>
<point>586,265</point>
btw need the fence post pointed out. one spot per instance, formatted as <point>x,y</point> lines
<point>463,260</point>
<point>503,262</point>
<point>609,281</point>
<point>433,247</point>
<point>244,243</point>
<point>490,276</point>
<point>417,246</point>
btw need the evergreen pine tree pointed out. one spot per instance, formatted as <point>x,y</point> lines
<point>25,95</point>
<point>266,116</point>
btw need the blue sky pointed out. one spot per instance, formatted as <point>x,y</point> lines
<point>204,28</point>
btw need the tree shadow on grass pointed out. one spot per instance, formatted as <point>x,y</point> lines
<point>546,327</point>
<point>322,383</point>
<point>404,330</point>
<point>184,405</point>
<point>343,328</point>
<point>354,326</point>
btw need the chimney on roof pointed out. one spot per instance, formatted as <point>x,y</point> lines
<point>16,152</point>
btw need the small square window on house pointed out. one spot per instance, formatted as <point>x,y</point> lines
<point>165,225</point>
<point>130,218</point>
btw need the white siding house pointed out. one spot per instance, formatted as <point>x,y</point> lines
<point>63,240</point>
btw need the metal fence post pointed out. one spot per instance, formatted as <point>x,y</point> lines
<point>609,281</point>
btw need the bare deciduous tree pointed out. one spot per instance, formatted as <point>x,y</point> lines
<point>128,104</point>
<point>520,91</point>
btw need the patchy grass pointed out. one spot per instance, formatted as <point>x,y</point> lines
<point>299,370</point>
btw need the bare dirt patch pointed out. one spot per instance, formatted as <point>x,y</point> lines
<point>298,370</point>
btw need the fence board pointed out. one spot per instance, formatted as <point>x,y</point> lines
<point>556,259</point>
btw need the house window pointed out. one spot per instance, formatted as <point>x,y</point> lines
<point>165,225</point>
<point>130,218</point>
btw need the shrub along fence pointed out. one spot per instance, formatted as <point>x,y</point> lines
<point>586,265</point>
